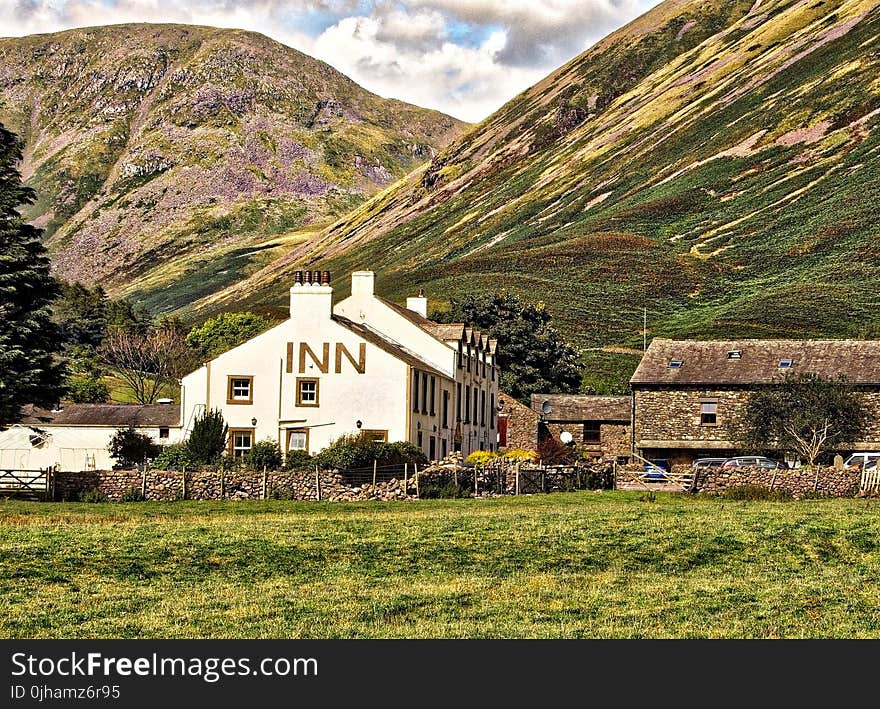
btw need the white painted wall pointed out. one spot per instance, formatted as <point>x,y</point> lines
<point>71,448</point>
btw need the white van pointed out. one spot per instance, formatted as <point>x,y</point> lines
<point>861,458</point>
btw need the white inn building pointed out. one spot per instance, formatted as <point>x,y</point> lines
<point>364,365</point>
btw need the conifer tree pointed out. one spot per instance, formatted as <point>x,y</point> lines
<point>29,341</point>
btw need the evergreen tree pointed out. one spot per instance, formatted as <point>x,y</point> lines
<point>29,370</point>
<point>207,440</point>
<point>532,355</point>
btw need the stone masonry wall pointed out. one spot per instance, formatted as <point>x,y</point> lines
<point>522,426</point>
<point>228,485</point>
<point>801,482</point>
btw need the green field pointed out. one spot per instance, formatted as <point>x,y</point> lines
<point>586,564</point>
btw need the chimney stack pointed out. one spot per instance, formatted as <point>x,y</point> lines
<point>418,304</point>
<point>311,296</point>
<point>363,283</point>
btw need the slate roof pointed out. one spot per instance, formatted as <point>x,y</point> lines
<point>445,331</point>
<point>116,415</point>
<point>708,361</point>
<point>584,407</point>
<point>393,348</point>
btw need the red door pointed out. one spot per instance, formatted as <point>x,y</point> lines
<point>502,431</point>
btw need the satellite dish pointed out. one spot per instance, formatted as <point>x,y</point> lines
<point>546,408</point>
<point>565,437</point>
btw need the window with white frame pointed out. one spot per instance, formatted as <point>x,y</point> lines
<point>306,392</point>
<point>298,440</point>
<point>241,441</point>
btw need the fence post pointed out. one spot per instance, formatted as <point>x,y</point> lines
<point>455,476</point>
<point>318,482</point>
<point>405,481</point>
<point>543,477</point>
<point>374,472</point>
<point>517,477</point>
<point>144,483</point>
<point>265,480</point>
<point>183,484</point>
<point>416,476</point>
<point>476,488</point>
<point>222,482</point>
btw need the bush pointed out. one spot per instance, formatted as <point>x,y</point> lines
<point>298,460</point>
<point>133,494</point>
<point>175,456</point>
<point>358,451</point>
<point>265,454</point>
<point>208,438</point>
<point>281,493</point>
<point>552,452</point>
<point>450,490</point>
<point>518,454</point>
<point>130,447</point>
<point>480,457</point>
<point>755,492</point>
<point>92,495</point>
<point>87,391</point>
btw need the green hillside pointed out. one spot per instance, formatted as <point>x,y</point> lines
<point>715,162</point>
<point>175,159</point>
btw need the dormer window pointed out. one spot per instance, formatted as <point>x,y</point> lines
<point>735,354</point>
<point>675,364</point>
<point>785,363</point>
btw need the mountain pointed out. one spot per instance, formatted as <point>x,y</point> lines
<point>175,158</point>
<point>716,162</point>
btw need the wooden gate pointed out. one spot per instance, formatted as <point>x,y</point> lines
<point>870,484</point>
<point>33,484</point>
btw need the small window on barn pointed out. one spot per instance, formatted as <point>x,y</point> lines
<point>163,432</point>
<point>592,432</point>
<point>735,354</point>
<point>785,363</point>
<point>708,413</point>
<point>675,364</point>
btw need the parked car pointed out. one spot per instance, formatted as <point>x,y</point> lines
<point>753,461</point>
<point>858,460</point>
<point>709,462</point>
<point>658,468</point>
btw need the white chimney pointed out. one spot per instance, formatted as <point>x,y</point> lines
<point>363,283</point>
<point>311,296</point>
<point>418,304</point>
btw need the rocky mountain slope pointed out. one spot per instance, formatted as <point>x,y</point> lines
<point>174,159</point>
<point>717,162</point>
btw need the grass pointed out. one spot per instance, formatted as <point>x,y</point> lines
<point>586,564</point>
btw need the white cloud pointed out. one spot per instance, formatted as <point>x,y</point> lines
<point>463,57</point>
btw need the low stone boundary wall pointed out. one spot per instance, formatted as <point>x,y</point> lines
<point>801,482</point>
<point>216,485</point>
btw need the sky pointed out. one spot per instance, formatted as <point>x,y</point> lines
<point>463,57</point>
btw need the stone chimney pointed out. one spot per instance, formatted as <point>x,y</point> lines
<point>311,296</point>
<point>418,304</point>
<point>363,283</point>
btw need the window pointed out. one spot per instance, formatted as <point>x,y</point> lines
<point>709,413</point>
<point>419,439</point>
<point>306,392</point>
<point>475,406</point>
<point>482,408</point>
<point>424,393</point>
<point>239,390</point>
<point>675,364</point>
<point>443,450</point>
<point>374,434</point>
<point>491,411</point>
<point>415,391</point>
<point>445,409</point>
<point>163,432</point>
<point>785,363</point>
<point>241,440</point>
<point>592,432</point>
<point>432,448</point>
<point>433,396</point>
<point>467,403</point>
<point>735,354</point>
<point>298,439</point>
<point>457,402</point>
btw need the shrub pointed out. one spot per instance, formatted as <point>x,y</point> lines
<point>298,460</point>
<point>358,451</point>
<point>521,455</point>
<point>133,494</point>
<point>130,447</point>
<point>92,495</point>
<point>87,391</point>
<point>481,457</point>
<point>208,438</point>
<point>281,493</point>
<point>175,456</point>
<point>756,492</point>
<point>265,454</point>
<point>449,490</point>
<point>552,452</point>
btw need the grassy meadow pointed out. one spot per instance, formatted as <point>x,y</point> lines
<point>575,565</point>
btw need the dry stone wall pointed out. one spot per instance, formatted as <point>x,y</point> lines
<point>799,483</point>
